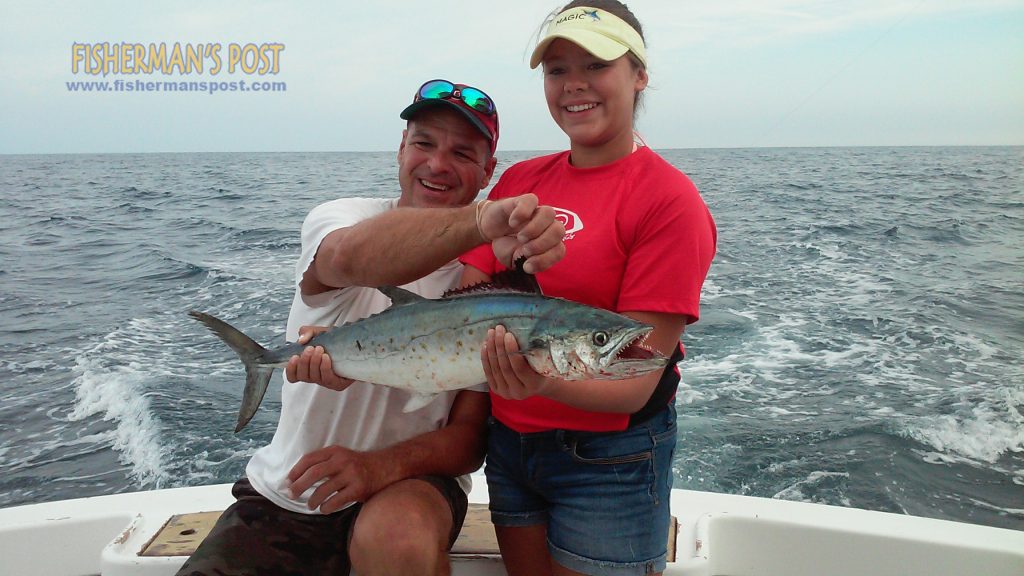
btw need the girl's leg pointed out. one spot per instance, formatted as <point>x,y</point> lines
<point>525,550</point>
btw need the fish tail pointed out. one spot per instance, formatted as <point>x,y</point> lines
<point>257,371</point>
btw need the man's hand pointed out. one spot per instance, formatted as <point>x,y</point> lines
<point>347,475</point>
<point>314,365</point>
<point>519,227</point>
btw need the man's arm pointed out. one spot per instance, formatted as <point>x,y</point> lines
<point>349,476</point>
<point>405,244</point>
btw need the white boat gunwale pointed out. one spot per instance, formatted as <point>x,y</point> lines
<point>718,534</point>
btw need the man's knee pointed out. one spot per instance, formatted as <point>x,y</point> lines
<point>408,526</point>
<point>399,548</point>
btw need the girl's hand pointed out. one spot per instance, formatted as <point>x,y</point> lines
<point>508,373</point>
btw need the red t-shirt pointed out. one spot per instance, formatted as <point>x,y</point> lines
<point>638,238</point>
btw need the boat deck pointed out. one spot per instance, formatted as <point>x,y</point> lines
<point>182,534</point>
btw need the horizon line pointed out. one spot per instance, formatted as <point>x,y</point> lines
<point>525,150</point>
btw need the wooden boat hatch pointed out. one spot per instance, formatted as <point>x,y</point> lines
<point>180,535</point>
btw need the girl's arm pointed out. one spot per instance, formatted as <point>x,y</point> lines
<point>510,375</point>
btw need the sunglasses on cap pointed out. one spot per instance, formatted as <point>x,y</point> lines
<point>445,90</point>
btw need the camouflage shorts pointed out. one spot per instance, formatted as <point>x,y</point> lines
<point>254,536</point>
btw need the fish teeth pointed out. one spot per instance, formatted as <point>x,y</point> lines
<point>640,342</point>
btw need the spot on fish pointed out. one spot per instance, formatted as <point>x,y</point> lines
<point>358,345</point>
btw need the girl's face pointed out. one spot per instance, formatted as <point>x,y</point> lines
<point>590,99</point>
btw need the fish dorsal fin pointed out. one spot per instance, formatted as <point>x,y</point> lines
<point>505,281</point>
<point>400,296</point>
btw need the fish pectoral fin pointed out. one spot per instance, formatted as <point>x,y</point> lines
<point>418,401</point>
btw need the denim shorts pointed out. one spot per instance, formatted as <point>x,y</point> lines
<point>603,495</point>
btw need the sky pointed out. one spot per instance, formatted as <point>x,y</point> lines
<point>724,74</point>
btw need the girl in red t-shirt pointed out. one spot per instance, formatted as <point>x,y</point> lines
<point>579,473</point>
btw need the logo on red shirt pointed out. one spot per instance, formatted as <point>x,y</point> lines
<point>570,220</point>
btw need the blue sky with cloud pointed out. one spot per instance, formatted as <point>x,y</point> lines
<point>733,73</point>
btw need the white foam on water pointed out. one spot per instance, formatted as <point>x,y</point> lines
<point>17,368</point>
<point>710,291</point>
<point>781,466</point>
<point>984,431</point>
<point>254,266</point>
<point>860,290</point>
<point>941,458</point>
<point>116,395</point>
<point>203,467</point>
<point>946,388</point>
<point>779,412</point>
<point>980,350</point>
<point>748,314</point>
<point>111,383</point>
<point>762,369</point>
<point>700,469</point>
<point>686,395</point>
<point>1000,509</point>
<point>809,489</point>
<point>827,251</point>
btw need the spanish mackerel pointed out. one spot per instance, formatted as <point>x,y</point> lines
<point>430,346</point>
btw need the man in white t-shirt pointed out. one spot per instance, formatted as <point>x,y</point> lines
<point>350,482</point>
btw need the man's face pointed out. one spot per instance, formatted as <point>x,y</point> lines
<point>443,160</point>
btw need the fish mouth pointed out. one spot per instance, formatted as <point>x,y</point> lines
<point>634,356</point>
<point>638,350</point>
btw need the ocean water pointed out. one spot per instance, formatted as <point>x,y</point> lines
<point>860,342</point>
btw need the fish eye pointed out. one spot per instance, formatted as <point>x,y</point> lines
<point>600,338</point>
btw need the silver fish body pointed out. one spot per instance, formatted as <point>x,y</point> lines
<point>429,346</point>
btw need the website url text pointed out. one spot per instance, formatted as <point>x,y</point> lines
<point>169,86</point>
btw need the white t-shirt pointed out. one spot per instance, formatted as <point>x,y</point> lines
<point>364,416</point>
